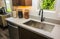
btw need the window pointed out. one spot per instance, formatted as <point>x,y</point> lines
<point>47,4</point>
<point>8,5</point>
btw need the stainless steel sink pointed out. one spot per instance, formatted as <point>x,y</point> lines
<point>40,25</point>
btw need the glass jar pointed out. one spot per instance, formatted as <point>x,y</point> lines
<point>26,14</point>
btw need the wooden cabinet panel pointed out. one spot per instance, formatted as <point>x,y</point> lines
<point>15,2</point>
<point>22,2</point>
<point>28,2</point>
<point>27,34</point>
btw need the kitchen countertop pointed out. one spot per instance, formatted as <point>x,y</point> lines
<point>55,33</point>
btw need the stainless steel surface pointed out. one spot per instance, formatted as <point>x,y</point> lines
<point>13,31</point>
<point>40,25</point>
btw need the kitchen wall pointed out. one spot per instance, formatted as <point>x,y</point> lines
<point>54,15</point>
<point>2,3</point>
<point>58,9</point>
<point>34,4</point>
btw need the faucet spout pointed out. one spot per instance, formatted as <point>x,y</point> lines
<point>41,13</point>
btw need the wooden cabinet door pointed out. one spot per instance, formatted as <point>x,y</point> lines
<point>22,2</point>
<point>28,2</point>
<point>1,23</point>
<point>25,2</point>
<point>27,34</point>
<point>15,2</point>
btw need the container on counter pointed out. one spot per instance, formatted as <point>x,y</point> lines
<point>20,14</point>
<point>26,14</point>
<point>14,14</point>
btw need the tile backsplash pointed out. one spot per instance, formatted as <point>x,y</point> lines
<point>46,14</point>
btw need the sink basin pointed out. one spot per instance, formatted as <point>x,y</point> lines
<point>40,25</point>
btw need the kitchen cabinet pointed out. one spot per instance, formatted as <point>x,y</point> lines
<point>13,31</point>
<point>15,2</point>
<point>17,32</point>
<point>27,34</point>
<point>22,2</point>
<point>1,23</point>
<point>28,2</point>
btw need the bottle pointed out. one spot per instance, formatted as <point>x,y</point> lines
<point>14,14</point>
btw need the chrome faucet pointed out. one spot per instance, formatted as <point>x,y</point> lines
<point>41,14</point>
